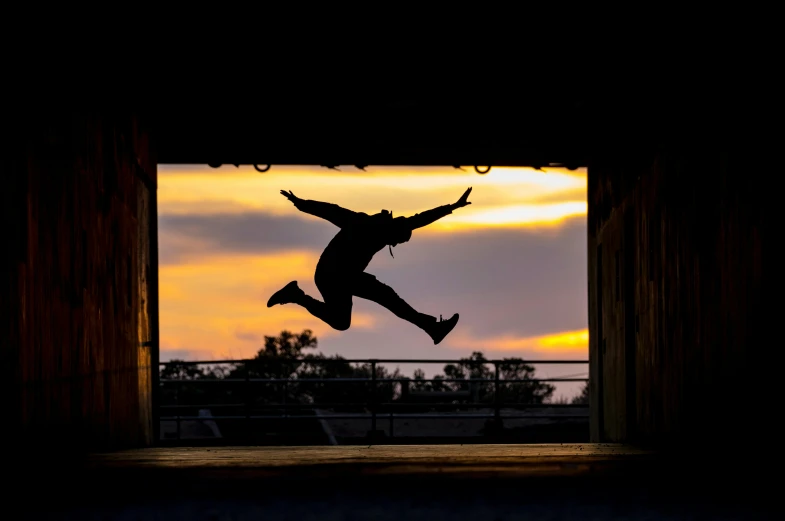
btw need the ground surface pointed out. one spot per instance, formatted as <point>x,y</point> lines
<point>478,482</point>
<point>559,424</point>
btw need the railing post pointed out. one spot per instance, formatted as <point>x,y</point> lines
<point>373,398</point>
<point>284,391</point>
<point>497,416</point>
<point>177,408</point>
<point>247,395</point>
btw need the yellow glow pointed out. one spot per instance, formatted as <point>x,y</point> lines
<point>521,215</point>
<point>505,196</point>
<point>567,339</point>
<point>572,342</point>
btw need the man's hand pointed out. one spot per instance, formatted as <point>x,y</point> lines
<point>463,200</point>
<point>289,195</point>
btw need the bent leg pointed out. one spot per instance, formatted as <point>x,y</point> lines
<point>336,310</point>
<point>370,288</point>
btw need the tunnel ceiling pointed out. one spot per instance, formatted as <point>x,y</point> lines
<point>546,127</point>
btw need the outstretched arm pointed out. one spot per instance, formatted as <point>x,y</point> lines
<point>327,211</point>
<point>427,217</point>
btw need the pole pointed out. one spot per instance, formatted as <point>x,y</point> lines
<point>247,395</point>
<point>373,398</point>
<point>496,397</point>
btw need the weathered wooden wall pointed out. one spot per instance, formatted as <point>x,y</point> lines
<point>676,308</point>
<point>77,337</point>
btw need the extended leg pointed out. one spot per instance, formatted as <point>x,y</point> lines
<point>370,288</point>
<point>336,312</point>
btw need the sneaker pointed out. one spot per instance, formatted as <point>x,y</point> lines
<point>442,328</point>
<point>285,295</point>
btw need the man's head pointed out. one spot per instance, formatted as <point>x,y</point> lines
<point>399,232</point>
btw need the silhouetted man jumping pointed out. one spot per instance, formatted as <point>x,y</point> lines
<point>340,272</point>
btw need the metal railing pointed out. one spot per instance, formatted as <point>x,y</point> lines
<point>375,409</point>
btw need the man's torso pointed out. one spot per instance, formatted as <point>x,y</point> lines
<point>353,247</point>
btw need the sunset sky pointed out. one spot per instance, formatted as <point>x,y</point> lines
<point>513,263</point>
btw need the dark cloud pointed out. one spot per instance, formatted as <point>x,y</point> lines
<point>503,282</point>
<point>182,236</point>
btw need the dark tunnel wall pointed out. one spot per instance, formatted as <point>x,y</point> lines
<point>77,337</point>
<point>677,342</point>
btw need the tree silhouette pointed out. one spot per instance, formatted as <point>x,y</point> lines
<point>298,379</point>
<point>475,377</point>
<point>274,360</point>
<point>277,360</point>
<point>189,389</point>
<point>477,367</point>
<point>344,395</point>
<point>527,391</point>
<point>420,383</point>
<point>283,358</point>
<point>177,369</point>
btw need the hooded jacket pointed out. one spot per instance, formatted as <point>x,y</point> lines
<point>361,236</point>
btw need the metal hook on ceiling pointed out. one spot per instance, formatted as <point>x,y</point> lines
<point>265,169</point>
<point>569,165</point>
<point>481,172</point>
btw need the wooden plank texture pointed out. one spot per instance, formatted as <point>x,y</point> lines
<point>76,293</point>
<point>486,455</point>
<point>676,322</point>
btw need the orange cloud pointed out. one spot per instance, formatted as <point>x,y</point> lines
<point>219,306</point>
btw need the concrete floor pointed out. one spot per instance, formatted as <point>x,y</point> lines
<point>496,482</point>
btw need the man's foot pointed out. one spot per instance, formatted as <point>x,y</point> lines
<point>442,328</point>
<point>285,295</point>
